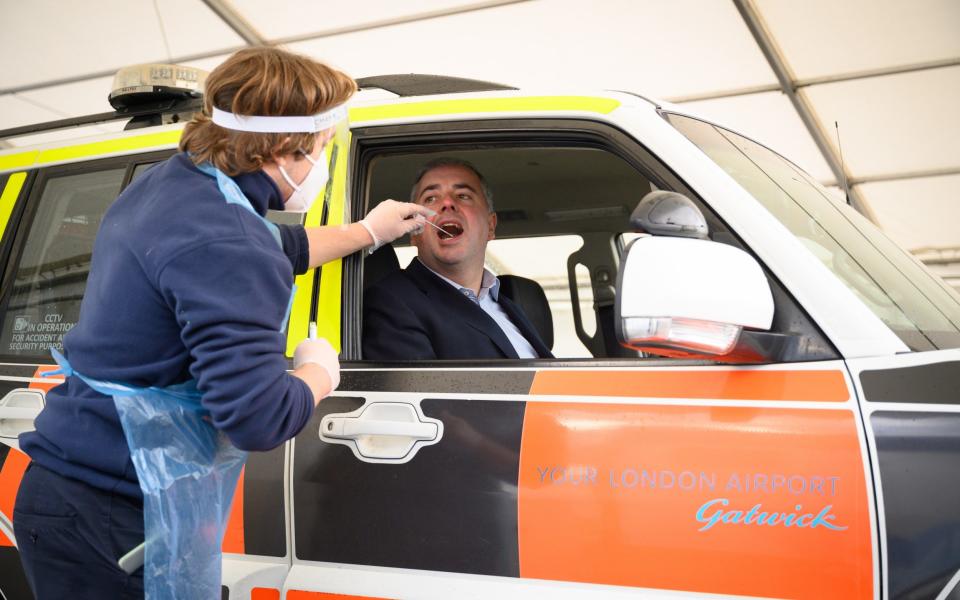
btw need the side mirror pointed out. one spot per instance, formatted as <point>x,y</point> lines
<point>691,298</point>
<point>662,212</point>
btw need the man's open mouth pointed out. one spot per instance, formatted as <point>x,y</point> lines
<point>451,230</point>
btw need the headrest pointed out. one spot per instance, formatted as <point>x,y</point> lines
<point>378,265</point>
<point>528,294</point>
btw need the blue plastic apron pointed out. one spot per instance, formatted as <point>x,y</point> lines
<point>188,470</point>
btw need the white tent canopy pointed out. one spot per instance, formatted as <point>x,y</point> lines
<point>784,72</point>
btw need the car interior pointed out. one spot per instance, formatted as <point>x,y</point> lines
<point>562,214</point>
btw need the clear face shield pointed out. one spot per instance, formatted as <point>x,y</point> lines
<point>323,186</point>
<point>333,195</point>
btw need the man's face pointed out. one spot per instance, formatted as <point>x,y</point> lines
<point>455,193</point>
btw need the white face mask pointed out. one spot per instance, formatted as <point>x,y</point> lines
<point>304,194</point>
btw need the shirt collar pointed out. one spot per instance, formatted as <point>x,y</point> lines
<point>490,284</point>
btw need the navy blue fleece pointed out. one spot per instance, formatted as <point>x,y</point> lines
<point>181,285</point>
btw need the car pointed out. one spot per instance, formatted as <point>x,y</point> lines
<point>755,392</point>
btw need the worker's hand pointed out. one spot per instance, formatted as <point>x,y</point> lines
<point>390,220</point>
<point>321,353</point>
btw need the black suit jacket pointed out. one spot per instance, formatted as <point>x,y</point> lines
<point>414,315</point>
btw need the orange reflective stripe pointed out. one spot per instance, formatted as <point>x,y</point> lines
<point>16,464</point>
<point>738,384</point>
<point>48,383</point>
<point>233,537</point>
<point>264,594</point>
<point>10,476</point>
<point>748,501</point>
<point>302,595</point>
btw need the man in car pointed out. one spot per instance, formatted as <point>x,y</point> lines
<point>445,304</point>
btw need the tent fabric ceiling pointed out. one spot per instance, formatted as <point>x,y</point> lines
<point>886,71</point>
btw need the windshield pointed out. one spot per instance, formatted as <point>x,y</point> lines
<point>914,303</point>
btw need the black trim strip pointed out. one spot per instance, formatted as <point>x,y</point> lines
<point>14,370</point>
<point>935,383</point>
<point>437,382</point>
<point>415,84</point>
<point>264,524</point>
<point>158,109</point>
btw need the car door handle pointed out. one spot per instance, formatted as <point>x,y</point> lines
<point>390,432</point>
<point>18,409</point>
<point>18,413</point>
<point>351,429</point>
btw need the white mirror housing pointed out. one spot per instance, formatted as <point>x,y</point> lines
<point>688,298</point>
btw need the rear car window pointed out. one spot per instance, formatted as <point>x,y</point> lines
<point>51,273</point>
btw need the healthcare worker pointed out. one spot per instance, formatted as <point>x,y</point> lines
<point>190,286</point>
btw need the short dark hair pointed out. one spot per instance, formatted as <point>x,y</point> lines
<point>447,161</point>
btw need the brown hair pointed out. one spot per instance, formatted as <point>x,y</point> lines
<point>261,81</point>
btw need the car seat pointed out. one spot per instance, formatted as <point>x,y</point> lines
<point>531,298</point>
<point>378,265</point>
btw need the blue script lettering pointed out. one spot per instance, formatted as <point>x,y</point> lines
<point>711,513</point>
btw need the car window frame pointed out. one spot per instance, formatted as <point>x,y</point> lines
<point>368,142</point>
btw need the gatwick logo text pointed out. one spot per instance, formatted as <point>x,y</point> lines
<point>712,514</point>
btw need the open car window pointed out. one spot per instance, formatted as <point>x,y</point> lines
<point>552,204</point>
<point>563,211</point>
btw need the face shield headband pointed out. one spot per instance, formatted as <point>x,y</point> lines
<point>280,124</point>
<point>308,190</point>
